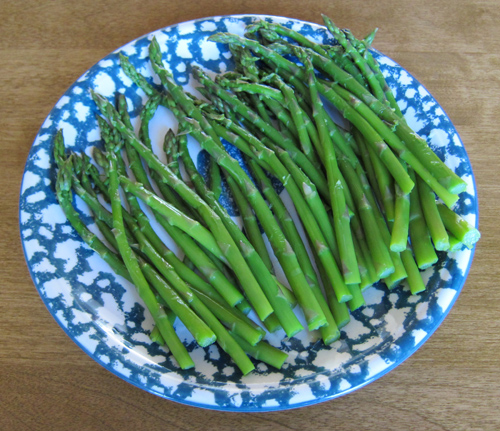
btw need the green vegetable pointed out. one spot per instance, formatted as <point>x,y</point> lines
<point>365,197</point>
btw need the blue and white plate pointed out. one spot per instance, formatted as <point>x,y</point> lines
<point>102,312</point>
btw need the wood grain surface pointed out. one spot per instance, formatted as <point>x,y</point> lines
<point>451,383</point>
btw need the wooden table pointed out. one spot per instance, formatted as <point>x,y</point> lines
<point>452,383</point>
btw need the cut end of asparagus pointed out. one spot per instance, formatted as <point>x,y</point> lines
<point>334,336</point>
<point>294,331</point>
<point>455,244</point>
<point>344,298</point>
<point>385,272</point>
<point>272,323</point>
<point>454,184</point>
<point>357,300</point>
<point>156,336</point>
<point>316,322</point>
<point>442,245</point>
<point>427,264</point>
<point>450,199</point>
<point>417,288</point>
<point>398,247</point>
<point>206,341</point>
<point>392,284</point>
<point>343,322</point>
<point>471,237</point>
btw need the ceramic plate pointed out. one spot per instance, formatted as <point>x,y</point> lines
<point>105,317</point>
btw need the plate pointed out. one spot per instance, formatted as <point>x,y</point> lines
<point>102,313</point>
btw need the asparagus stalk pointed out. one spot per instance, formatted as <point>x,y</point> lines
<point>415,143</point>
<point>341,217</point>
<point>130,260</point>
<point>225,341</point>
<point>202,304</point>
<point>171,148</point>
<point>339,310</point>
<point>250,223</point>
<point>425,172</point>
<point>316,176</point>
<point>459,227</point>
<point>455,244</point>
<point>215,178</point>
<point>234,257</point>
<point>329,332</point>
<point>432,216</point>
<point>202,333</point>
<point>357,58</point>
<point>384,181</point>
<point>263,352</point>
<point>312,310</point>
<point>205,265</point>
<point>282,310</point>
<point>309,221</point>
<point>187,275</point>
<point>414,278</point>
<point>174,217</point>
<point>63,192</point>
<point>298,119</point>
<point>419,234</point>
<point>162,320</point>
<point>285,220</point>
<point>399,234</point>
<point>284,253</point>
<point>379,250</point>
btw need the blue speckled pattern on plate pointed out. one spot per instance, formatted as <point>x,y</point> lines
<point>102,312</point>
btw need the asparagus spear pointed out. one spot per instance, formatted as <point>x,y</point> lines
<point>415,143</point>
<point>305,213</point>
<point>230,316</point>
<point>171,148</point>
<point>316,176</point>
<point>432,216</point>
<point>329,332</point>
<point>314,315</point>
<point>174,216</point>
<point>160,317</point>
<point>419,234</point>
<point>459,227</point>
<point>356,56</point>
<point>234,257</point>
<point>282,310</point>
<point>250,223</point>
<point>287,258</point>
<point>399,234</point>
<point>341,217</point>
<point>263,352</point>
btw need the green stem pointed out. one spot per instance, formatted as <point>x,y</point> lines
<point>316,176</point>
<point>282,310</point>
<point>145,292</point>
<point>340,211</point>
<point>232,254</point>
<point>399,234</point>
<point>250,223</point>
<point>202,304</point>
<point>459,227</point>
<point>419,234</point>
<point>432,216</point>
<point>263,351</point>
<point>174,217</point>
<point>414,277</point>
<point>357,58</point>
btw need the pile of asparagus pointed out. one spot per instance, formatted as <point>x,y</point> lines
<point>365,195</point>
